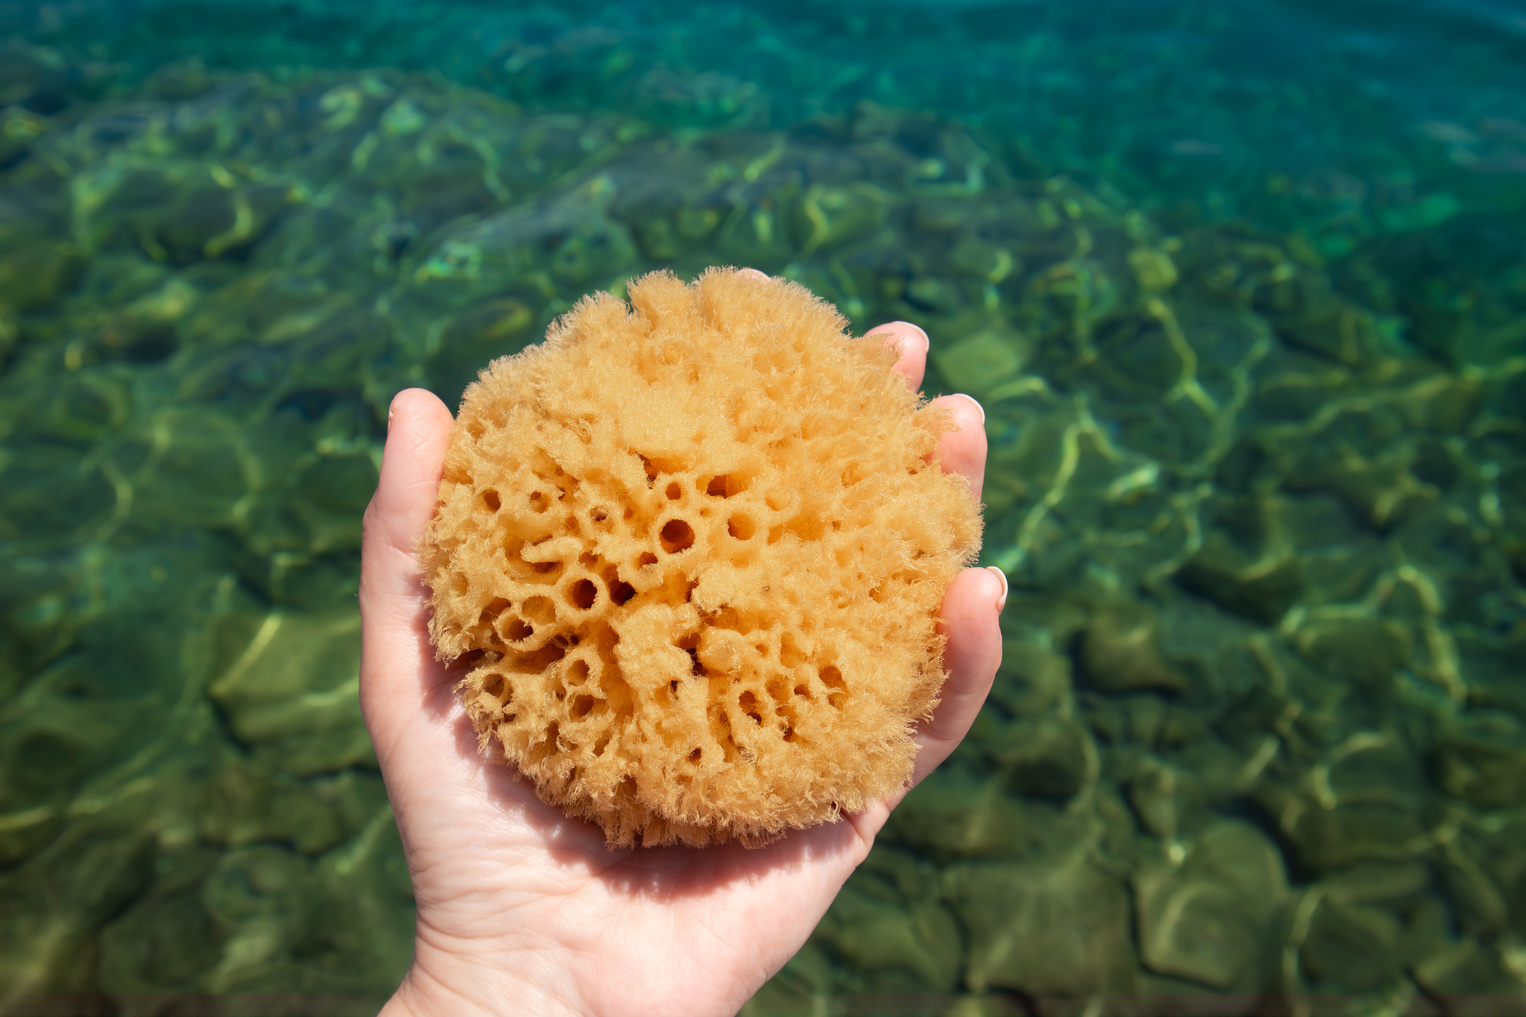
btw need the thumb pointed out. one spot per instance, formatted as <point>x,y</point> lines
<point>418,429</point>
<point>395,647</point>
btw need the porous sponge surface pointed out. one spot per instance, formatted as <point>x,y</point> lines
<point>699,544</point>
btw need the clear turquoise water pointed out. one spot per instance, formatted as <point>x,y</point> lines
<point>1242,288</point>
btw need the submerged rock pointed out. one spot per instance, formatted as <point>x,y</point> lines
<point>917,941</point>
<point>1054,929</point>
<point>1121,651</point>
<point>1210,912</point>
<point>290,691</point>
<point>1259,588</point>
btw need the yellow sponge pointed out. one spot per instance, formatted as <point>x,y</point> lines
<point>698,546</point>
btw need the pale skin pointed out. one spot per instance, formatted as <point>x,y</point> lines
<point>523,911</point>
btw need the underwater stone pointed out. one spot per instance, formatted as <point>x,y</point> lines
<point>933,293</point>
<point>1153,269</point>
<point>939,215</point>
<point>200,468</point>
<point>1386,827</point>
<point>1384,495</point>
<point>696,224</point>
<point>25,830</point>
<point>1045,757</point>
<point>297,580</point>
<point>180,79</point>
<point>1309,315</point>
<point>1353,947</point>
<point>1481,758</point>
<point>164,943</point>
<point>1341,573</point>
<point>978,364</point>
<point>10,333</point>
<point>495,327</point>
<point>483,257</point>
<point>497,323</point>
<point>1210,917</point>
<point>986,262</point>
<point>1121,651</point>
<point>877,935</point>
<point>38,770</point>
<point>291,690</point>
<point>754,238</point>
<point>1443,402</point>
<point>1163,795</point>
<point>41,502</point>
<point>1378,883</point>
<point>1030,679</point>
<point>827,217</point>
<point>18,129</point>
<point>34,279</point>
<point>245,805</point>
<point>1344,333</point>
<point>186,230</point>
<point>256,897</point>
<point>54,908</point>
<point>953,819</point>
<point>102,867</point>
<point>1478,902</point>
<point>1052,929</point>
<point>329,495</point>
<point>1151,720</point>
<point>1472,980</point>
<point>959,815</point>
<point>1261,590</point>
<point>361,905</point>
<point>86,407</point>
<point>1363,651</point>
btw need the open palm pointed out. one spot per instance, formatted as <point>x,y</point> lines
<point>521,910</point>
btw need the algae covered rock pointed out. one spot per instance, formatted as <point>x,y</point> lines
<point>1121,652</point>
<point>1209,916</point>
<point>166,940</point>
<point>958,815</point>
<point>244,806</point>
<point>1053,929</point>
<point>290,690</point>
<point>1260,589</point>
<point>890,923</point>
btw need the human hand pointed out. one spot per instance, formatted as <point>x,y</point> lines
<point>522,910</point>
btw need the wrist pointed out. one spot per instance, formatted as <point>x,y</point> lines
<point>447,983</point>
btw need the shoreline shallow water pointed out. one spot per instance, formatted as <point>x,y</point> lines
<point>1258,474</point>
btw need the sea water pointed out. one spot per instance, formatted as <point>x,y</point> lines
<point>1241,286</point>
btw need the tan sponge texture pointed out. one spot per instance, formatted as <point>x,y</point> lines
<point>698,545</point>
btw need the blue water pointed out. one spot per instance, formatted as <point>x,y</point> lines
<point>1241,285</point>
<point>1180,100</point>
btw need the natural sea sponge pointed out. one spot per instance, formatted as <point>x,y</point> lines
<point>699,545</point>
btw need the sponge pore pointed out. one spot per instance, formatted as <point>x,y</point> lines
<point>697,546</point>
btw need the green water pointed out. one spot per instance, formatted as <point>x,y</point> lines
<point>1243,292</point>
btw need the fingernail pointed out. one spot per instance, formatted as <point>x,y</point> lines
<point>1001,602</point>
<point>752,273</point>
<point>979,407</point>
<point>391,409</point>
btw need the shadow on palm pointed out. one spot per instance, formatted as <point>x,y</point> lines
<point>577,847</point>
